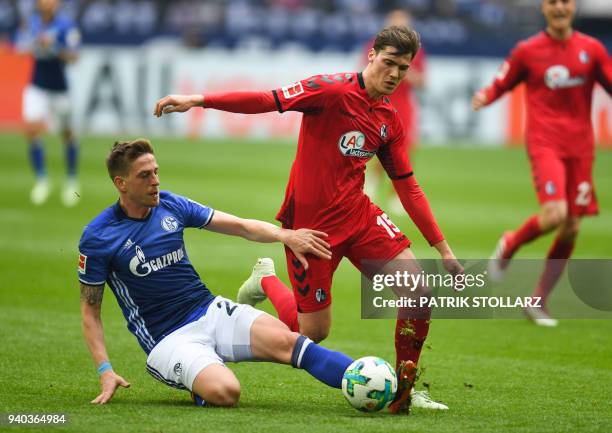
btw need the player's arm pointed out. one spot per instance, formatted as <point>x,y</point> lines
<point>511,72</point>
<point>604,69</point>
<point>301,242</point>
<point>91,321</point>
<point>234,102</point>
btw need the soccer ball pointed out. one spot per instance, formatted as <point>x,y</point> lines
<point>369,384</point>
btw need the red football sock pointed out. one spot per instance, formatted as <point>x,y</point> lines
<point>283,301</point>
<point>410,334</point>
<point>525,234</point>
<point>556,260</point>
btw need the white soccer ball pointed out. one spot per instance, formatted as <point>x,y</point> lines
<point>369,384</point>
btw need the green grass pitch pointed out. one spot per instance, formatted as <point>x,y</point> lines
<point>496,376</point>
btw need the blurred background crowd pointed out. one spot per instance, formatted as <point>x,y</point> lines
<point>448,27</point>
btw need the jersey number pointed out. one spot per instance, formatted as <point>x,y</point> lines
<point>384,221</point>
<point>584,194</point>
<point>229,308</point>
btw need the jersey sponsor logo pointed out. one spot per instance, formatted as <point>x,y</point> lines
<point>82,263</point>
<point>141,267</point>
<point>583,56</point>
<point>169,224</point>
<point>351,144</point>
<point>558,77</point>
<point>292,90</point>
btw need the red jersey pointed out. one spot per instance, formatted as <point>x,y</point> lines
<point>559,76</point>
<point>342,129</point>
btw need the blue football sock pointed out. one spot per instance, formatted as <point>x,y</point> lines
<point>324,364</point>
<point>37,158</point>
<point>72,153</point>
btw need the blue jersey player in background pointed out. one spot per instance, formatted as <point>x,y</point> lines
<point>52,39</point>
<point>136,247</point>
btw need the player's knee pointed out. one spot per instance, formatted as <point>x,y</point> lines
<point>224,394</point>
<point>316,334</point>
<point>554,216</point>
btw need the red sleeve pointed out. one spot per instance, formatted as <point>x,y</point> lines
<point>511,72</point>
<point>241,102</point>
<point>604,69</point>
<point>394,158</point>
<point>310,95</point>
<point>415,202</point>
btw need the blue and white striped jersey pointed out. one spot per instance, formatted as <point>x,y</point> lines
<point>145,264</point>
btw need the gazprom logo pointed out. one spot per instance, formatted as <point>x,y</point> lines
<point>140,267</point>
<point>351,144</point>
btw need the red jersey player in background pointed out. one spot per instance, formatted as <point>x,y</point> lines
<point>404,101</point>
<point>347,119</point>
<point>559,67</point>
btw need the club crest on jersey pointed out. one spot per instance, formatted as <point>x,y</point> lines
<point>558,77</point>
<point>383,131</point>
<point>550,188</point>
<point>351,144</point>
<point>141,267</point>
<point>82,263</point>
<point>583,56</point>
<point>292,90</point>
<point>169,224</point>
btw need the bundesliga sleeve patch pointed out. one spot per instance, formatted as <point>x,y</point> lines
<point>82,263</point>
<point>292,90</point>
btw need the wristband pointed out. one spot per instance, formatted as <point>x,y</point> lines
<point>105,366</point>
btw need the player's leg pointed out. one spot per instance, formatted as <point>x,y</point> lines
<point>243,333</point>
<point>263,283</point>
<point>216,385</point>
<point>381,248</point>
<point>549,177</point>
<point>71,191</point>
<point>186,359</point>
<point>271,340</point>
<point>312,291</point>
<point>581,201</point>
<point>35,109</point>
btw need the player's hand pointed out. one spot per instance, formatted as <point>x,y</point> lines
<point>177,104</point>
<point>479,100</point>
<point>452,265</point>
<point>306,241</point>
<point>109,382</point>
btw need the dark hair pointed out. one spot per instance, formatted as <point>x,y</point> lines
<point>404,40</point>
<point>124,153</point>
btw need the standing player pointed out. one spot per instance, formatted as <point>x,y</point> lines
<point>136,247</point>
<point>347,119</point>
<point>404,101</point>
<point>559,67</point>
<point>53,40</point>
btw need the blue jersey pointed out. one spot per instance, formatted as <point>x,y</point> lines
<point>49,69</point>
<point>145,264</point>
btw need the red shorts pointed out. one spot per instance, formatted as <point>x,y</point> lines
<point>375,238</point>
<point>568,179</point>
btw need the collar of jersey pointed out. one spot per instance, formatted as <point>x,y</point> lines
<point>120,214</point>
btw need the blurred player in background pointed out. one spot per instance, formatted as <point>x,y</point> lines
<point>136,246</point>
<point>405,102</point>
<point>347,120</point>
<point>559,67</point>
<point>53,40</point>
